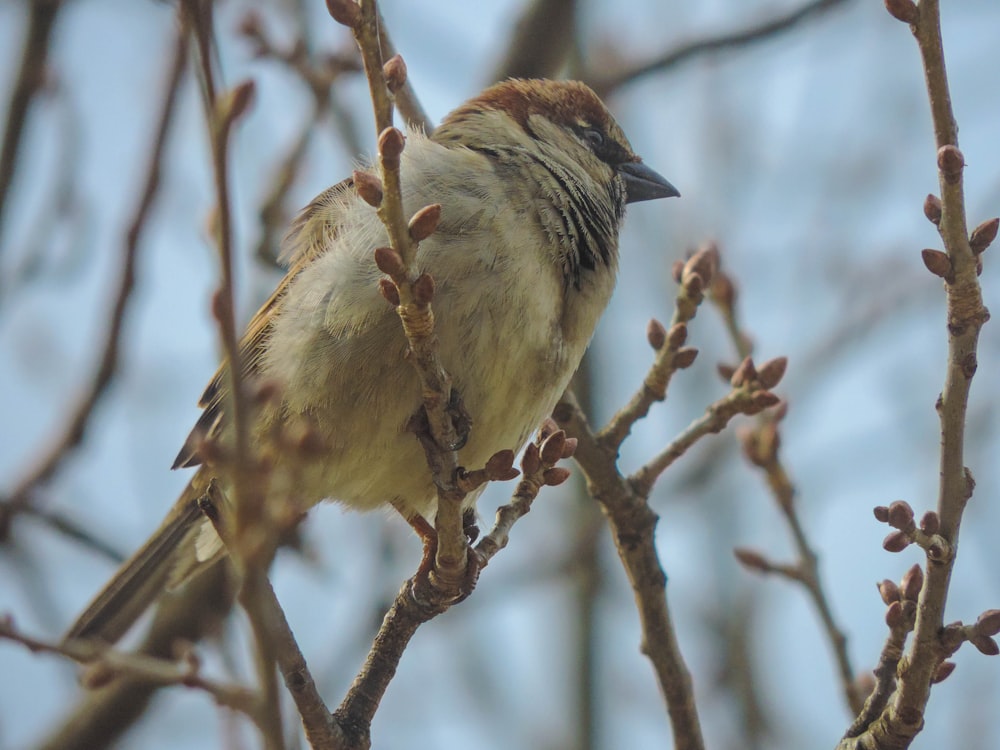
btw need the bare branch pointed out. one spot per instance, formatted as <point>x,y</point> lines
<point>30,77</point>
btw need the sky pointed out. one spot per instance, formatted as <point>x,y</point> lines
<point>806,158</point>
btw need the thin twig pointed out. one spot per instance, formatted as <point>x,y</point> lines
<point>251,558</point>
<point>30,78</point>
<point>690,50</point>
<point>761,446</point>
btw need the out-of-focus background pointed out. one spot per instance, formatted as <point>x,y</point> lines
<point>805,155</point>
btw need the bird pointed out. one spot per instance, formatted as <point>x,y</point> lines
<point>533,178</point>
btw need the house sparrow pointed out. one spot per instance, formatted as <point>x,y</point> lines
<point>533,177</point>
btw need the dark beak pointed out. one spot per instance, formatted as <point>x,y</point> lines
<point>643,184</point>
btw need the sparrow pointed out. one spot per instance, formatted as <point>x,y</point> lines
<point>533,177</point>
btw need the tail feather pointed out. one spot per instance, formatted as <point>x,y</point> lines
<point>144,576</point>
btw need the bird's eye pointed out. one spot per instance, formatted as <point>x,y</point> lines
<point>593,138</point>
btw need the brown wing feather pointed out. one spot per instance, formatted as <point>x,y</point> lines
<point>309,235</point>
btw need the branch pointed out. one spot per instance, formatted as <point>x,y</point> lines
<point>761,444</point>
<point>959,266</point>
<point>30,78</point>
<point>690,50</point>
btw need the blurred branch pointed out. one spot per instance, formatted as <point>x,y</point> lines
<point>761,444</point>
<point>604,84</point>
<point>105,713</point>
<point>75,428</point>
<point>30,78</point>
<point>541,42</point>
<point>250,520</point>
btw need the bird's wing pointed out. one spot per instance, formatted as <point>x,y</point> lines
<point>309,236</point>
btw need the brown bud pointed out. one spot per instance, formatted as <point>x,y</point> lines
<point>911,584</point>
<point>500,467</point>
<point>251,24</point>
<point>903,10</point>
<point>97,675</point>
<point>389,262</point>
<point>389,291</point>
<point>395,73</point>
<point>932,209</point>
<point>772,371</point>
<point>703,264</point>
<point>723,291</point>
<point>896,541</point>
<point>693,285</point>
<point>900,515</point>
<point>677,270</point>
<point>423,289</point>
<point>555,476</point>
<point>570,447</point>
<point>345,12</point>
<point>763,400</point>
<point>889,591</point>
<point>551,450</point>
<point>222,307</point>
<point>988,623</point>
<point>685,357</point>
<point>743,374</point>
<point>985,644</point>
<point>725,371</point>
<point>390,145</point>
<point>881,513</point>
<point>369,187</point>
<point>894,617</point>
<point>677,335</point>
<point>546,428</point>
<point>424,222</point>
<point>240,99</point>
<point>943,671</point>
<point>950,161</point>
<point>656,334</point>
<point>752,559</point>
<point>983,235</point>
<point>937,263</point>
<point>930,522</point>
<point>531,461</point>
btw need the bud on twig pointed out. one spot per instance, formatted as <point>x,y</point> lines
<point>897,541</point>
<point>985,644</point>
<point>423,289</point>
<point>389,262</point>
<point>911,584</point>
<point>772,371</point>
<point>656,334</point>
<point>903,10</point>
<point>369,187</point>
<point>889,591</point>
<point>345,12</point>
<point>555,476</point>
<point>930,522</point>
<point>894,615</point>
<point>932,209</point>
<point>752,559</point>
<point>388,290</point>
<point>685,357</point>
<point>943,671</point>
<point>901,515</point>
<point>951,162</point>
<point>937,263</point>
<point>424,222</point>
<point>744,373</point>
<point>390,145</point>
<point>395,73</point>
<point>983,235</point>
<point>988,623</point>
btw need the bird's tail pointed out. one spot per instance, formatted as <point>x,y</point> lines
<point>148,573</point>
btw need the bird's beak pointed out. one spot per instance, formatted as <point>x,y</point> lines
<point>643,184</point>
